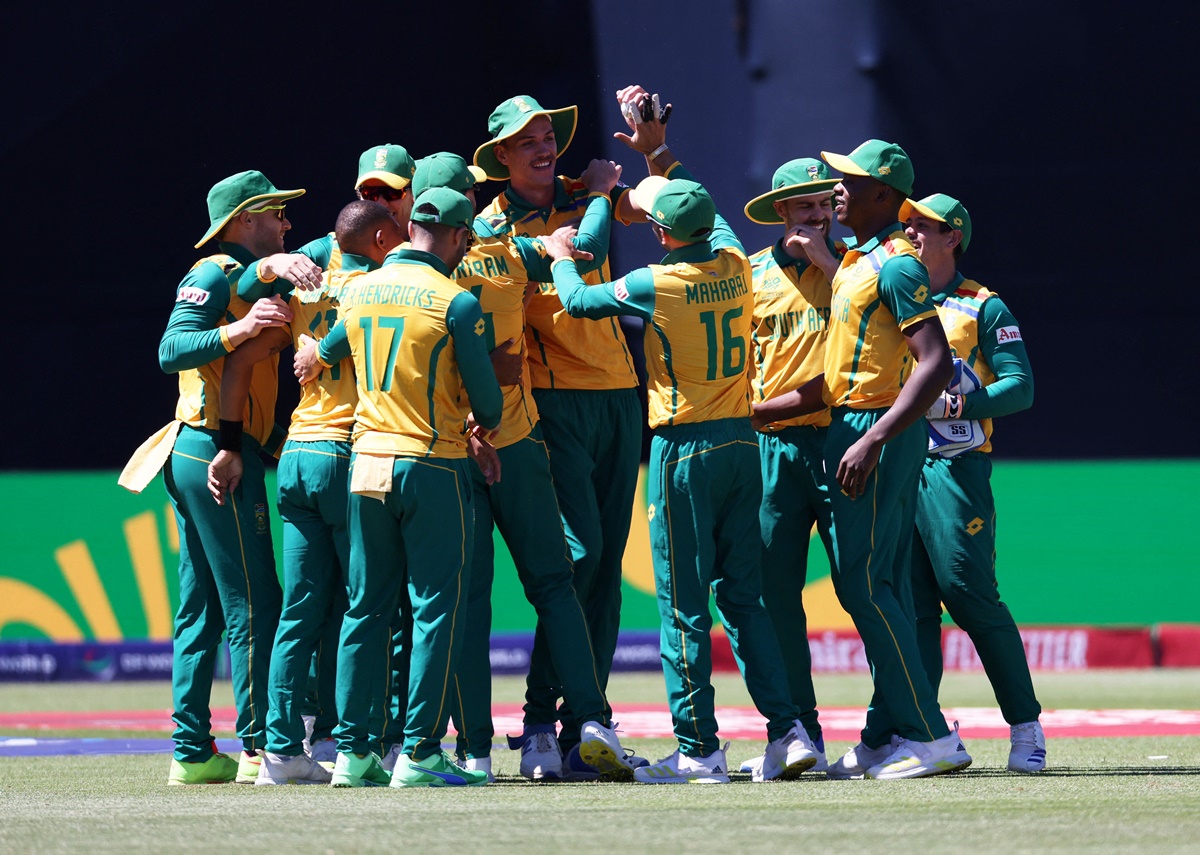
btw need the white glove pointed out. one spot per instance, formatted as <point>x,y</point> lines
<point>947,406</point>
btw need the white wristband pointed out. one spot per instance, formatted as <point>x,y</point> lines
<point>654,154</point>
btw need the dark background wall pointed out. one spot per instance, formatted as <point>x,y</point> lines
<point>1062,128</point>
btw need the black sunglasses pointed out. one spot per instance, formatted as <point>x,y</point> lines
<point>381,193</point>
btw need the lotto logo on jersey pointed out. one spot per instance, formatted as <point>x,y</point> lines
<point>480,327</point>
<point>1006,334</point>
<point>920,294</point>
<point>199,296</point>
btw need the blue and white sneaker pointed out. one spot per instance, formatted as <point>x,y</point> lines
<point>1028,752</point>
<point>541,758</point>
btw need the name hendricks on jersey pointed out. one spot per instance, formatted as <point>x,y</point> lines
<point>715,292</point>
<point>369,293</point>
<point>786,324</point>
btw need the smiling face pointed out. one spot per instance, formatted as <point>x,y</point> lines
<point>530,154</point>
<point>933,239</point>
<point>814,211</point>
<point>265,230</point>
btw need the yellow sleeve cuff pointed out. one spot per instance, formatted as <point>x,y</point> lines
<point>225,339</point>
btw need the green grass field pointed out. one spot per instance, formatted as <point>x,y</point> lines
<point>1123,795</point>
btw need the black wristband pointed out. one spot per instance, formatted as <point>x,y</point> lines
<point>231,436</point>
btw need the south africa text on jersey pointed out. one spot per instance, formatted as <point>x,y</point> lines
<point>786,324</point>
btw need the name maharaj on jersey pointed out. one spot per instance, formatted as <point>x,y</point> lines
<point>714,292</point>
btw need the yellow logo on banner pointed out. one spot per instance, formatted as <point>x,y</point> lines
<point>21,603</point>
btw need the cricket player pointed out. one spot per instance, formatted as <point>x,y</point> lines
<point>705,486</point>
<point>385,176</point>
<point>954,552</point>
<point>227,581</point>
<point>313,493</point>
<point>499,271</point>
<point>791,312</point>
<point>585,386</point>
<point>881,318</point>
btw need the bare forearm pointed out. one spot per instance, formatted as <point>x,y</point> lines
<point>809,398</point>
<point>919,392</point>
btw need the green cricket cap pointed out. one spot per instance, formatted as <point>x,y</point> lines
<point>683,208</point>
<point>944,209</point>
<point>804,176</point>
<point>391,164</point>
<point>883,161</point>
<point>230,196</point>
<point>443,206</point>
<point>513,115</point>
<point>444,169</point>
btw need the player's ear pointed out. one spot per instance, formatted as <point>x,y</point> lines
<point>778,206</point>
<point>501,153</point>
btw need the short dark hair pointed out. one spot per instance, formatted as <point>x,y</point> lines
<point>357,224</point>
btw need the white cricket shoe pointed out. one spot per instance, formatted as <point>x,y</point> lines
<point>541,758</point>
<point>1028,752</point>
<point>600,748</point>
<point>681,769</point>
<point>283,769</point>
<point>853,765</point>
<point>786,758</point>
<point>389,760</point>
<point>920,759</point>
<point>325,752</point>
<point>477,764</point>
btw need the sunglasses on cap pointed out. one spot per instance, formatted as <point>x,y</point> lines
<point>276,209</point>
<point>381,193</point>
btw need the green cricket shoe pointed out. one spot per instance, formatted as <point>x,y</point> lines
<point>437,770</point>
<point>351,770</point>
<point>248,765</point>
<point>218,769</point>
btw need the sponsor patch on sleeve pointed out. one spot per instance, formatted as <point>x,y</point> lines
<point>620,290</point>
<point>191,294</point>
<point>1004,335</point>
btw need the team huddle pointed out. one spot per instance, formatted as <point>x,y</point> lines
<point>465,371</point>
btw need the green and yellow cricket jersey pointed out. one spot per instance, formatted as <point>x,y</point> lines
<point>880,289</point>
<point>326,406</point>
<point>564,352</point>
<point>417,341</point>
<point>323,252</point>
<point>498,270</point>
<point>495,270</point>
<point>791,316</point>
<point>196,342</point>
<point>699,305</point>
<point>983,333</point>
